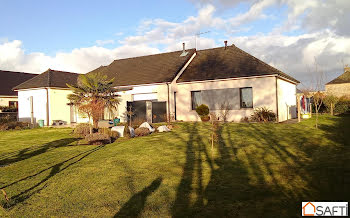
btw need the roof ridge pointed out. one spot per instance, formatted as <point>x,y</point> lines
<point>9,71</point>
<point>150,55</point>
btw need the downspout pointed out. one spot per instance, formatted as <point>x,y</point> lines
<point>168,103</point>
<point>47,107</point>
<point>276,101</point>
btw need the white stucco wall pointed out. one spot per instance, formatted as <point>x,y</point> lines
<point>58,108</point>
<point>286,100</point>
<point>39,105</point>
<point>264,94</point>
<point>4,100</point>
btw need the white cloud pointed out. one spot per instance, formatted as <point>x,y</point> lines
<point>80,60</point>
<point>296,55</point>
<point>104,42</point>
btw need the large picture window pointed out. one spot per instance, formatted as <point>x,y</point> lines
<point>196,99</point>
<point>246,95</point>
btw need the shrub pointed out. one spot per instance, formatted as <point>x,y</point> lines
<point>202,110</point>
<point>112,134</point>
<point>245,120</point>
<point>127,131</point>
<point>263,114</point>
<point>136,122</point>
<point>142,131</point>
<point>82,129</point>
<point>8,109</point>
<point>98,139</point>
<point>342,106</point>
<point>330,101</point>
<point>13,125</point>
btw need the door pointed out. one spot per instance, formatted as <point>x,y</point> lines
<point>159,112</point>
<point>139,110</point>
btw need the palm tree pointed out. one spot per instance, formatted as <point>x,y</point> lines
<point>93,94</point>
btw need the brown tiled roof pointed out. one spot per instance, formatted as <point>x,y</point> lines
<point>158,68</point>
<point>221,63</point>
<point>10,79</point>
<point>50,78</point>
<point>344,78</point>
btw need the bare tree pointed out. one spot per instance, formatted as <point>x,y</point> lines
<point>225,110</point>
<point>318,95</point>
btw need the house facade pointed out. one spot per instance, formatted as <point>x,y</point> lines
<point>9,79</point>
<point>44,97</point>
<point>340,86</point>
<point>171,85</point>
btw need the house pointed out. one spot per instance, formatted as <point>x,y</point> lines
<point>340,86</point>
<point>9,79</point>
<point>171,85</point>
<point>44,97</point>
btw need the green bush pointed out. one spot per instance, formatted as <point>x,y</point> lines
<point>98,139</point>
<point>202,110</point>
<point>112,134</point>
<point>142,131</point>
<point>343,106</point>
<point>13,125</point>
<point>127,131</point>
<point>263,114</point>
<point>8,109</point>
<point>82,129</point>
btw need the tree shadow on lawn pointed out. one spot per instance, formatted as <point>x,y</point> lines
<point>268,176</point>
<point>34,151</point>
<point>136,203</point>
<point>54,170</point>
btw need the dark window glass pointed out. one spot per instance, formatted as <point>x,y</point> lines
<point>13,103</point>
<point>196,99</point>
<point>246,97</point>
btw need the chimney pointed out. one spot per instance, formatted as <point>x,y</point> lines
<point>346,68</point>
<point>225,44</point>
<point>184,52</point>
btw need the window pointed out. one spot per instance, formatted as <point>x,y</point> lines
<point>196,99</point>
<point>246,95</point>
<point>13,104</point>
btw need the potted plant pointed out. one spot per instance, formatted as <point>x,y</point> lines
<point>203,112</point>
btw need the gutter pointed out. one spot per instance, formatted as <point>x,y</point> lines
<point>47,107</point>
<point>168,102</point>
<point>277,100</point>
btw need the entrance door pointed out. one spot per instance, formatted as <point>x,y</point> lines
<point>158,112</point>
<point>139,110</point>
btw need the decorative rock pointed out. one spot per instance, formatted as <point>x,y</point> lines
<point>148,126</point>
<point>132,132</point>
<point>119,129</point>
<point>163,129</point>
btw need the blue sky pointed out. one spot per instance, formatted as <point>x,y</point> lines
<point>82,35</point>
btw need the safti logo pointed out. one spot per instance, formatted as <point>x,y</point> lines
<point>324,209</point>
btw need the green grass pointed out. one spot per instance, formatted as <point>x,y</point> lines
<point>254,170</point>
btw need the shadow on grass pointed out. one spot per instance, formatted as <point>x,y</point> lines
<point>136,203</point>
<point>262,170</point>
<point>54,170</point>
<point>33,151</point>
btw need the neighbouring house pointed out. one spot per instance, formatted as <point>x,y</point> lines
<point>171,85</point>
<point>44,97</point>
<point>8,80</point>
<point>340,86</point>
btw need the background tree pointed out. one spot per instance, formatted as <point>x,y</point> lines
<point>317,95</point>
<point>93,94</point>
<point>330,101</point>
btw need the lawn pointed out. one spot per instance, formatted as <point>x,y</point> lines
<point>254,170</point>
